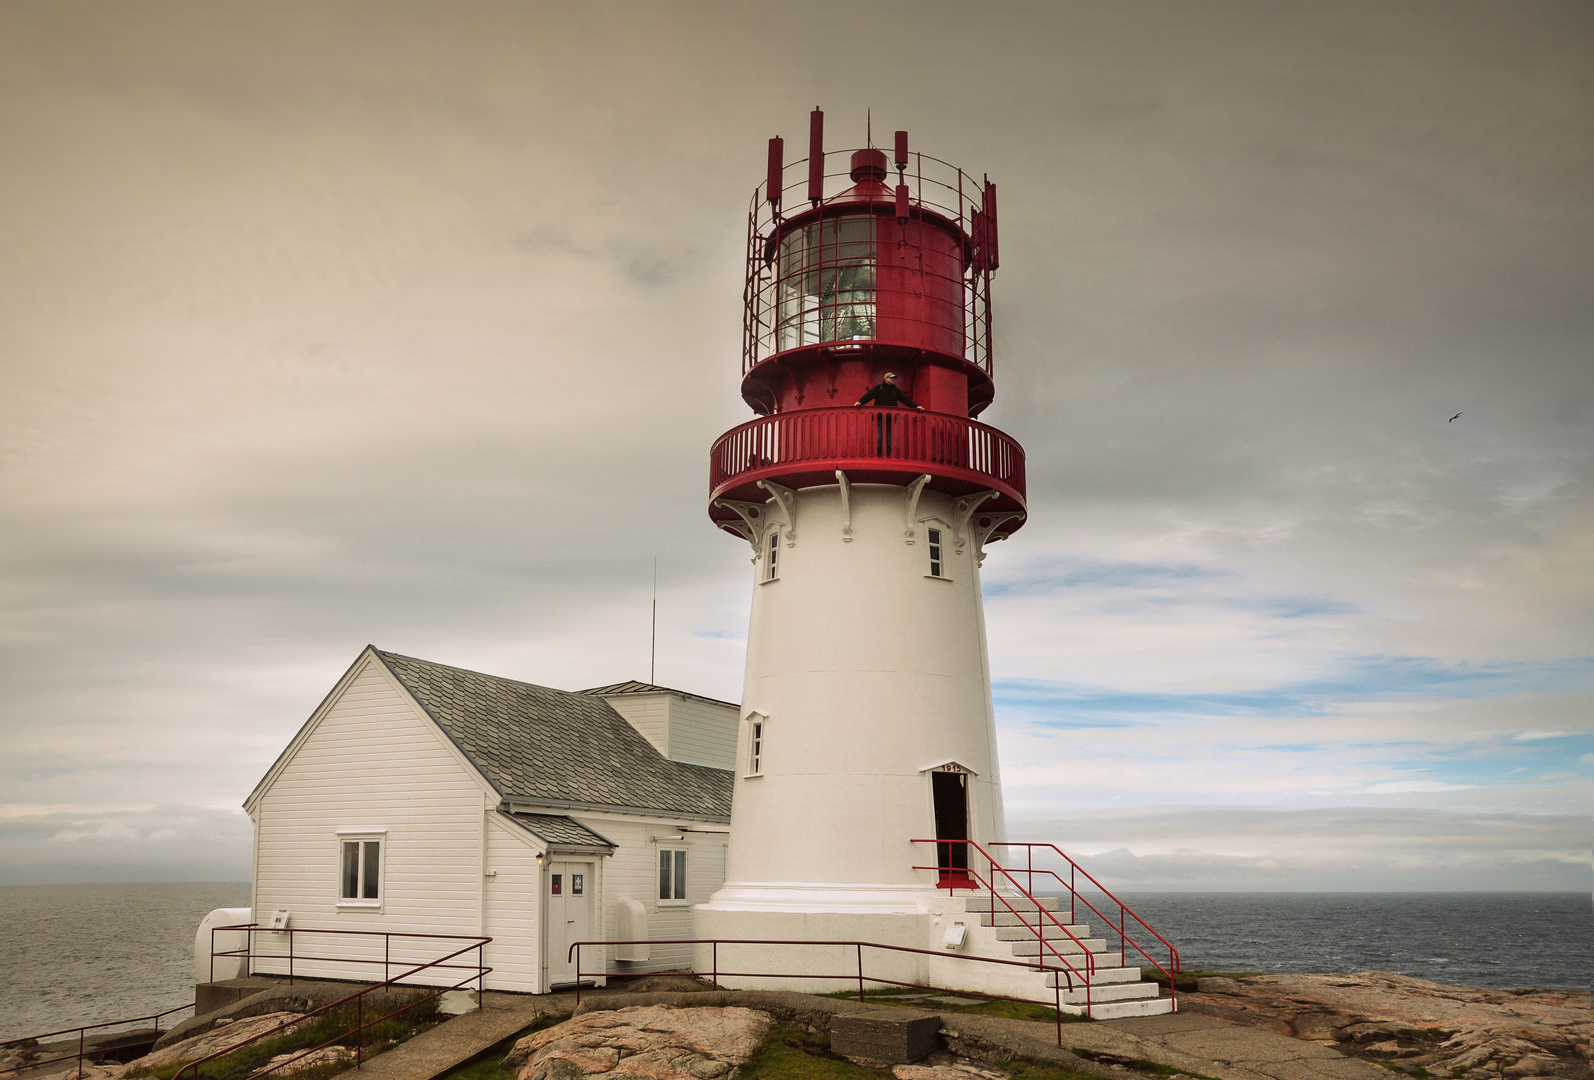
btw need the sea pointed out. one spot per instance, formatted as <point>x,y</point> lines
<point>76,954</point>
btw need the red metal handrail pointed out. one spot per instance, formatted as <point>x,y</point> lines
<point>1124,940</point>
<point>901,441</point>
<point>481,970</point>
<point>82,1033</point>
<point>1039,927</point>
<point>859,977</point>
<point>1075,868</point>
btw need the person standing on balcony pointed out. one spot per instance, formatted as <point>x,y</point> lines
<point>886,394</point>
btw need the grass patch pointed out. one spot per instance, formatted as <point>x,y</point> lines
<point>1041,1070</point>
<point>335,1026</point>
<point>1139,1065</point>
<point>951,1002</point>
<point>792,1053</point>
<point>488,1065</point>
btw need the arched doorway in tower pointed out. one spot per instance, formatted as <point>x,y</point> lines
<point>949,790</point>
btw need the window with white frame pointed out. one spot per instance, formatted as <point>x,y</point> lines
<point>672,874</point>
<point>937,550</point>
<point>360,876</point>
<point>755,743</point>
<point>772,555</point>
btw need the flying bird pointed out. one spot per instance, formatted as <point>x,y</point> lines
<point>1452,420</point>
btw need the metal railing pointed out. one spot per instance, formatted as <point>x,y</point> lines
<point>935,186</point>
<point>293,956</point>
<point>1124,911</point>
<point>901,440</point>
<point>859,975</point>
<point>191,1071</point>
<point>27,1042</point>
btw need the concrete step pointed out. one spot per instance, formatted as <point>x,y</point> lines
<point>1101,977</point>
<point>1005,902</point>
<point>1021,932</point>
<point>1009,918</point>
<point>1032,947</point>
<point>1118,992</point>
<point>1117,1010</point>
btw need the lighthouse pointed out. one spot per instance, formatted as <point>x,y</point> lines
<point>867,794</point>
<point>867,701</point>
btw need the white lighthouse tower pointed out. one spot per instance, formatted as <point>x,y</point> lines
<point>867,728</point>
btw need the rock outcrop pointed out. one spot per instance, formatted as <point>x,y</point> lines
<point>1412,1024</point>
<point>646,1042</point>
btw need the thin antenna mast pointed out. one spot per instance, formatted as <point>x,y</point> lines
<point>653,647</point>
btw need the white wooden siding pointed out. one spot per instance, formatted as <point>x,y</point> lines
<point>649,714</point>
<point>370,763</point>
<point>633,871</point>
<point>513,909</point>
<point>702,733</point>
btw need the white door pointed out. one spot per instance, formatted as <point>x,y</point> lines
<point>570,907</point>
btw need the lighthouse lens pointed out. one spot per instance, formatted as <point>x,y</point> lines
<point>826,283</point>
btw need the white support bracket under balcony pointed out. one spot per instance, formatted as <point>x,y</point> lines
<point>787,498</point>
<point>963,509</point>
<point>910,527</point>
<point>846,507</point>
<point>749,513</point>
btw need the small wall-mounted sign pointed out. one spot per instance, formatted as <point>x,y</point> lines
<point>578,883</point>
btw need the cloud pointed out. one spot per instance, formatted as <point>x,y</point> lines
<point>1280,848</point>
<point>315,338</point>
<point>169,842</point>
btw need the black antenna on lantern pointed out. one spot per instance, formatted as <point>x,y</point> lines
<point>653,645</point>
<point>868,128</point>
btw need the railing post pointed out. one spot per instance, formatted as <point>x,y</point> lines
<point>481,975</point>
<point>1123,949</point>
<point>359,1033</point>
<point>81,1032</point>
<point>387,951</point>
<point>860,969</point>
<point>290,956</point>
<point>1057,997</point>
<point>1072,893</point>
<point>716,975</point>
<point>578,973</point>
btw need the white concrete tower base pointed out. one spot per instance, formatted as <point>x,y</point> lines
<point>867,674</point>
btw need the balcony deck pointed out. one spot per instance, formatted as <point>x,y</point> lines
<point>805,448</point>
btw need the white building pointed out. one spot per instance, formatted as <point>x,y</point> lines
<point>425,798</point>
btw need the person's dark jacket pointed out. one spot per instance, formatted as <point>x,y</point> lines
<point>887,394</point>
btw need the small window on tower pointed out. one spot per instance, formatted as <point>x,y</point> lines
<point>755,745</point>
<point>772,555</point>
<point>937,563</point>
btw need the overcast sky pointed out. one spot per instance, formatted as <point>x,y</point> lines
<point>332,323</point>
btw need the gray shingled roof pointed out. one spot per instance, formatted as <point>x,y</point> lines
<point>537,744</point>
<point>562,831</point>
<point>631,686</point>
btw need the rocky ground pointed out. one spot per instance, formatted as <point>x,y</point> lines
<point>1413,1024</point>
<point>648,1042</point>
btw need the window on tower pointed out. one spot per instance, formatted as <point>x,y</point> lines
<point>937,551</point>
<point>755,744</point>
<point>825,280</point>
<point>772,555</point>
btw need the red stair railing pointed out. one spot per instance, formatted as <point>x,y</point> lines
<point>1124,910</point>
<point>1007,873</point>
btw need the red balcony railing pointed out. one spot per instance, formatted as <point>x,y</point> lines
<point>806,447</point>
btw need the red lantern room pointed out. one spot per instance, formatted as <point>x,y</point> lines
<point>860,264</point>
